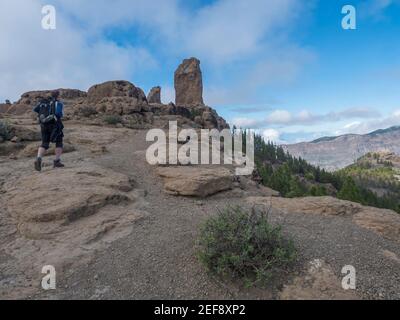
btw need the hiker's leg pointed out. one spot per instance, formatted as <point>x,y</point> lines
<point>45,141</point>
<point>59,148</point>
<point>41,152</point>
<point>59,152</point>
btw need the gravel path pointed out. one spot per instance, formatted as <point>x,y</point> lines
<point>157,260</point>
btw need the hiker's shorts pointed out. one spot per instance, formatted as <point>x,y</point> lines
<point>46,137</point>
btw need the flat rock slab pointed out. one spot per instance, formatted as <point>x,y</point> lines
<point>44,203</point>
<point>381,221</point>
<point>195,181</point>
<point>61,217</point>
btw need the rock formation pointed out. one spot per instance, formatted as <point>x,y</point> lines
<point>33,97</point>
<point>116,89</point>
<point>89,189</point>
<point>195,181</point>
<point>189,83</point>
<point>154,95</point>
<point>128,105</point>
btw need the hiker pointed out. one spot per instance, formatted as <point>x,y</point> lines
<point>50,112</point>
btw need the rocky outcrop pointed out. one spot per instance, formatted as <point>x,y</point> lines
<point>381,221</point>
<point>116,89</point>
<point>154,95</point>
<point>123,103</point>
<point>24,134</point>
<point>76,193</point>
<point>195,181</point>
<point>189,83</point>
<point>33,97</point>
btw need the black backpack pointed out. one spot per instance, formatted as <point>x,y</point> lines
<point>47,110</point>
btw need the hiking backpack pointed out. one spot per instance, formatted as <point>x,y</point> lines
<point>47,111</point>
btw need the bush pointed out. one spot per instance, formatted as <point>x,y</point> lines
<point>112,119</point>
<point>244,245</point>
<point>87,111</point>
<point>5,130</point>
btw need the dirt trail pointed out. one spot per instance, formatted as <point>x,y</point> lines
<point>157,260</point>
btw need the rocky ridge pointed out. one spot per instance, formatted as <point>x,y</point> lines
<point>333,153</point>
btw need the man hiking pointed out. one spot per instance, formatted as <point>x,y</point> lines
<point>50,112</point>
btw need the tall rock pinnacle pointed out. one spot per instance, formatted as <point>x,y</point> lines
<point>189,83</point>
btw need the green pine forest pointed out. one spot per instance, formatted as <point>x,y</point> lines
<point>294,177</point>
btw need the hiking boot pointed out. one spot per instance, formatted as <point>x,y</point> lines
<point>58,164</point>
<point>38,164</point>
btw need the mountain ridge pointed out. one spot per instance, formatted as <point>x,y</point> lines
<point>334,153</point>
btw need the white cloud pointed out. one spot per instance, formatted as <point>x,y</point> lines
<point>306,117</point>
<point>351,125</point>
<point>245,122</point>
<point>231,29</point>
<point>33,58</point>
<point>227,34</point>
<point>396,113</point>
<point>272,135</point>
<point>372,125</point>
<point>279,117</point>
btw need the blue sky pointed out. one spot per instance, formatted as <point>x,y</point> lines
<point>284,67</point>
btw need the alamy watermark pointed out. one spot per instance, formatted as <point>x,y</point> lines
<point>349,280</point>
<point>49,19</point>
<point>349,21</point>
<point>197,149</point>
<point>49,280</point>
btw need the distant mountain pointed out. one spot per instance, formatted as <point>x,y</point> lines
<point>333,153</point>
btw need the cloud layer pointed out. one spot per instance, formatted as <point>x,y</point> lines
<point>305,117</point>
<point>227,35</point>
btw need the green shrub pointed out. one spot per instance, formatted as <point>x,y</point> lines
<point>112,119</point>
<point>195,113</point>
<point>5,130</point>
<point>87,111</point>
<point>244,245</point>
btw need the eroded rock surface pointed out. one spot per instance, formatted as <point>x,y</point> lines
<point>382,221</point>
<point>60,218</point>
<point>195,181</point>
<point>43,204</point>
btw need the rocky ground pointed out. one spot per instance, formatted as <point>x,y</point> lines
<point>118,228</point>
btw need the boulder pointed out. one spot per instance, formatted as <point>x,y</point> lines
<point>154,95</point>
<point>189,83</point>
<point>31,98</point>
<point>24,133</point>
<point>8,148</point>
<point>76,193</point>
<point>195,181</point>
<point>116,89</point>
